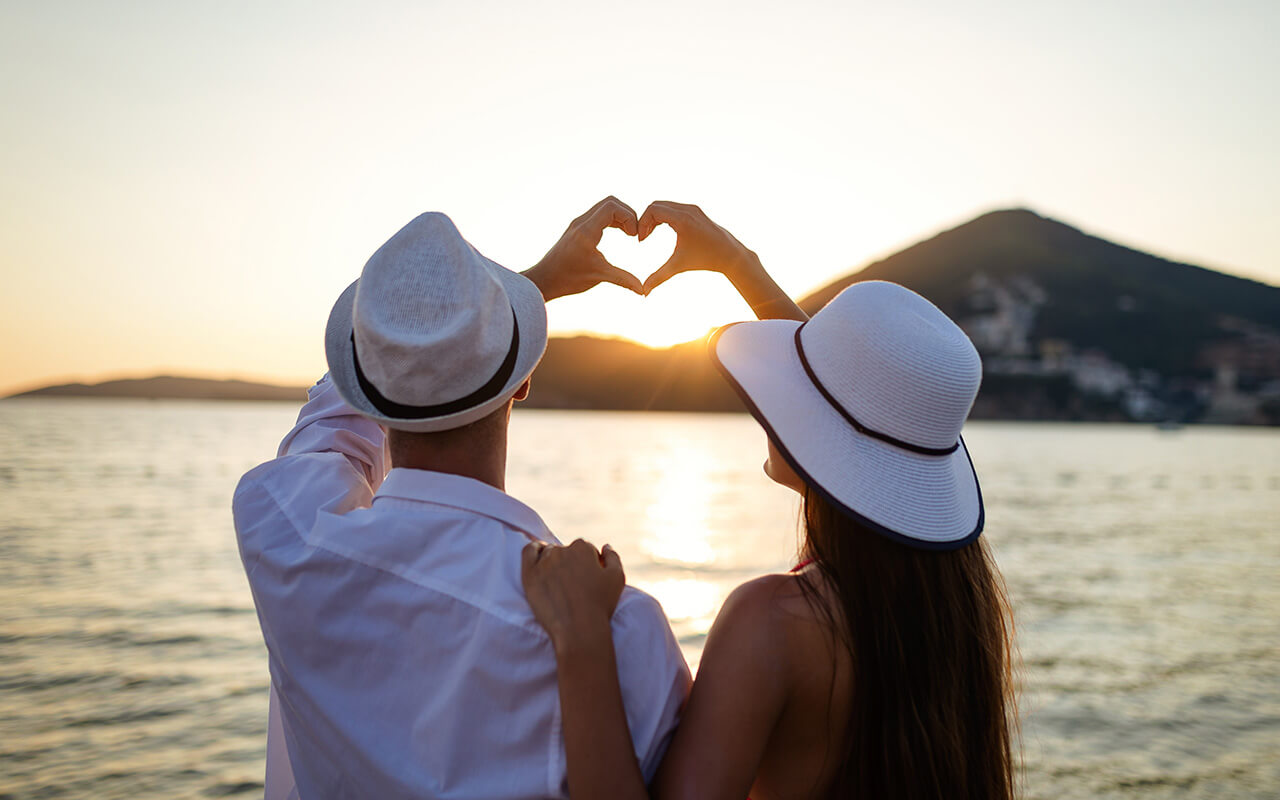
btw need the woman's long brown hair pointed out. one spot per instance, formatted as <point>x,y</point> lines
<point>933,710</point>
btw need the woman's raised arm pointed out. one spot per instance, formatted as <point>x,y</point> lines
<point>703,245</point>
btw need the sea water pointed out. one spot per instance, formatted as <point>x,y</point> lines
<point>1142,565</point>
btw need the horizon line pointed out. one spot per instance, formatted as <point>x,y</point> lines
<point>274,380</point>
<point>259,379</point>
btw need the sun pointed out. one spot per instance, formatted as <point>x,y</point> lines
<point>665,332</point>
<point>681,310</point>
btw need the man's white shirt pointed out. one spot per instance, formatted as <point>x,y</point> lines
<point>405,661</point>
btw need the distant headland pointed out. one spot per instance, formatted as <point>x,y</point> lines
<point>173,387</point>
<point>1070,327</point>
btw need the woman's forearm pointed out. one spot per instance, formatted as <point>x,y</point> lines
<point>601,759</point>
<point>761,292</point>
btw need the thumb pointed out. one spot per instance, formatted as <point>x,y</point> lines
<point>613,572</point>
<point>528,557</point>
<point>674,266</point>
<point>620,277</point>
<point>611,561</point>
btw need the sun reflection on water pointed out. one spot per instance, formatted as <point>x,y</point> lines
<point>690,601</point>
<point>678,518</point>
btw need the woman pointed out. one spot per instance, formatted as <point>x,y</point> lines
<point>880,667</point>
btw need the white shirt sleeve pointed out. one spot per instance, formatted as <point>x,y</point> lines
<point>326,425</point>
<point>279,779</point>
<point>654,677</point>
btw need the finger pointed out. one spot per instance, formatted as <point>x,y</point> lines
<point>583,548</point>
<point>619,277</point>
<point>590,212</point>
<point>529,556</point>
<point>610,560</point>
<point>661,212</point>
<point>612,213</point>
<point>674,266</point>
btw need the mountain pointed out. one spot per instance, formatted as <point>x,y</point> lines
<point>616,374</point>
<point>172,387</point>
<point>1143,311</point>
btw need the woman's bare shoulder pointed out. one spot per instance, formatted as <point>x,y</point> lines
<point>750,647</point>
<point>772,607</point>
<point>742,691</point>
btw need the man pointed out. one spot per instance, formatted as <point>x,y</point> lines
<point>405,661</point>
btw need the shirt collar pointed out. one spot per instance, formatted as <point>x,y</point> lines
<point>465,494</point>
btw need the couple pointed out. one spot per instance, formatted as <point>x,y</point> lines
<point>429,638</point>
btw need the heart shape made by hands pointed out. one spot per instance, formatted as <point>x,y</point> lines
<point>639,258</point>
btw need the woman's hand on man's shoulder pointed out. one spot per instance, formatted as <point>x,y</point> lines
<point>572,590</point>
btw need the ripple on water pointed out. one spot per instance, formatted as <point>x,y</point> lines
<point>232,789</point>
<point>1142,571</point>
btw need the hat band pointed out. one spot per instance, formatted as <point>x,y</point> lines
<point>485,393</point>
<point>858,426</point>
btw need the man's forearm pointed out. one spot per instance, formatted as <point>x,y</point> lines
<point>538,275</point>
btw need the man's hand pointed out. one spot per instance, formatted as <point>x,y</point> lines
<point>574,265</point>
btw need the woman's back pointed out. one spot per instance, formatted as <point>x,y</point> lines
<point>771,700</point>
<point>805,747</point>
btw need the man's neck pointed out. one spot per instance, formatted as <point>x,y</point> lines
<point>487,466</point>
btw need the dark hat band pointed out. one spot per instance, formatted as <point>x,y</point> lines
<point>858,426</point>
<point>490,390</point>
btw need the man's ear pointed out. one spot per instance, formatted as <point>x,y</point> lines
<point>523,391</point>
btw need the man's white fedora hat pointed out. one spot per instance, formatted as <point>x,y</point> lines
<point>865,401</point>
<point>433,335</point>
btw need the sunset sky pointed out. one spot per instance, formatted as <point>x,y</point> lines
<point>188,186</point>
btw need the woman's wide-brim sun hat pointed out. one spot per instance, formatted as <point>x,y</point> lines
<point>433,335</point>
<point>866,402</point>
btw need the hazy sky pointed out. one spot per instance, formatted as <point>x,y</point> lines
<point>187,187</point>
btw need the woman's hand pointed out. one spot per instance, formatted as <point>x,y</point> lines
<point>572,590</point>
<point>703,245</point>
<point>700,244</point>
